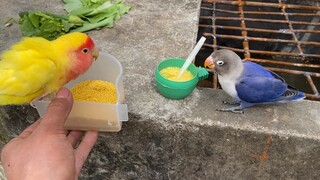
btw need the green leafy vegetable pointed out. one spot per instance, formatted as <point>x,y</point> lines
<point>70,5</point>
<point>49,26</point>
<point>83,15</point>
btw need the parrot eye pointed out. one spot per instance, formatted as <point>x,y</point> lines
<point>85,50</point>
<point>220,63</point>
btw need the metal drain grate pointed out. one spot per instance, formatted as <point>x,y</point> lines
<point>281,35</point>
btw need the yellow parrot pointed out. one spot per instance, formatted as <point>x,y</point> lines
<point>35,67</point>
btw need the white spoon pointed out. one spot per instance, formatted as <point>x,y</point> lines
<point>192,55</point>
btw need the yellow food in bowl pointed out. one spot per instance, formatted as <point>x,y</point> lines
<point>171,73</point>
<point>95,91</point>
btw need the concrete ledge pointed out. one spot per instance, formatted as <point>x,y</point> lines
<point>148,150</point>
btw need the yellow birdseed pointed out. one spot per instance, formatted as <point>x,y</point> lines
<point>95,91</point>
<point>171,73</point>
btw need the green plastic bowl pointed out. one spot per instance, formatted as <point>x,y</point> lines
<point>178,90</point>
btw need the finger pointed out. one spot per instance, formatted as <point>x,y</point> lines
<point>74,137</point>
<point>58,111</point>
<point>84,149</point>
<point>25,133</point>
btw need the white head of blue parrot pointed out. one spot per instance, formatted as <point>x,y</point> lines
<point>249,82</point>
<point>228,65</point>
<point>225,63</point>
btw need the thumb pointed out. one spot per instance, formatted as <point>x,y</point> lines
<point>58,110</point>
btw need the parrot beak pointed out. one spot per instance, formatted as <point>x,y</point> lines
<point>208,63</point>
<point>95,54</point>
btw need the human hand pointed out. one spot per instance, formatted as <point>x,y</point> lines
<point>45,150</point>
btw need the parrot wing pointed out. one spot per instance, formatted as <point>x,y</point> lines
<point>260,89</point>
<point>258,85</point>
<point>24,72</point>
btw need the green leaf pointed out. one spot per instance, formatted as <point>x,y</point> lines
<point>76,20</point>
<point>84,10</point>
<point>101,8</point>
<point>44,24</point>
<point>83,15</point>
<point>122,9</point>
<point>71,5</point>
<point>67,25</point>
<point>34,19</point>
<point>90,26</point>
<point>94,11</point>
<point>27,28</point>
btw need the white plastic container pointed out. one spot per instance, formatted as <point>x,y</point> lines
<point>91,115</point>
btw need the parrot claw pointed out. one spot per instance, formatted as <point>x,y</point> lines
<point>32,104</point>
<point>236,110</point>
<point>45,97</point>
<point>231,103</point>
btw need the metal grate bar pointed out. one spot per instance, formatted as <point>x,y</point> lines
<point>215,78</point>
<point>279,37</point>
<point>262,20</point>
<point>284,63</point>
<point>294,37</point>
<point>297,42</point>
<point>266,52</point>
<point>264,4</point>
<point>262,13</point>
<point>280,31</point>
<point>244,32</point>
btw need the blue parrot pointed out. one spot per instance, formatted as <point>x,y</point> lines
<point>249,83</point>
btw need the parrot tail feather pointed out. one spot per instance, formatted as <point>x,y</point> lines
<point>292,95</point>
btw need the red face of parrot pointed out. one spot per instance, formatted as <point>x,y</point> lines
<point>87,51</point>
<point>83,58</point>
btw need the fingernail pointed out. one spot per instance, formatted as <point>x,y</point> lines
<point>63,93</point>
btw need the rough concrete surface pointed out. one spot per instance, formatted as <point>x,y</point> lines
<point>185,139</point>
